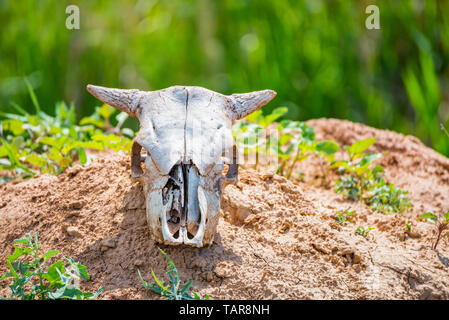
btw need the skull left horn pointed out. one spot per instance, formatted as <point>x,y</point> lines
<point>187,138</point>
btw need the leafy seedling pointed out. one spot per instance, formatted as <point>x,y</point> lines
<point>388,199</point>
<point>361,180</point>
<point>172,291</point>
<point>31,278</point>
<point>344,217</point>
<point>440,222</point>
<point>326,151</point>
<point>296,140</point>
<point>250,138</point>
<point>288,142</point>
<point>408,225</point>
<point>251,134</point>
<point>364,232</point>
<point>356,173</point>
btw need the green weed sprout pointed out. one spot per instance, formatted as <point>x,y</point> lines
<point>408,225</point>
<point>388,199</point>
<point>364,232</point>
<point>251,134</point>
<point>442,224</point>
<point>296,139</point>
<point>32,280</point>
<point>172,291</point>
<point>344,217</point>
<point>359,180</point>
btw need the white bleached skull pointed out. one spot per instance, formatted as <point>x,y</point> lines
<point>186,133</point>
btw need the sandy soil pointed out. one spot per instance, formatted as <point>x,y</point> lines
<point>276,239</point>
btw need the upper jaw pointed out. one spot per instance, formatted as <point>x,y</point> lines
<point>183,207</point>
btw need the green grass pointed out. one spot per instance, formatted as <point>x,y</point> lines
<point>33,279</point>
<point>344,217</point>
<point>173,290</point>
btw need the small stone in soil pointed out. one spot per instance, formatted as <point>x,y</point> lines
<point>107,243</point>
<point>73,231</point>
<point>208,276</point>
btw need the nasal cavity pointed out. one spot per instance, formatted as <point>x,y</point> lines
<point>180,198</point>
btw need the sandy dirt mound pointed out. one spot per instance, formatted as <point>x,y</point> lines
<point>276,239</point>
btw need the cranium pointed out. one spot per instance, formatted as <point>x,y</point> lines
<point>186,133</point>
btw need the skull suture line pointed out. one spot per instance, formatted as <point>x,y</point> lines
<point>186,133</point>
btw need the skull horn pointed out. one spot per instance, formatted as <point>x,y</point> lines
<point>242,104</point>
<point>126,100</point>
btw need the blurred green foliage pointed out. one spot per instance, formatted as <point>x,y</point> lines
<point>38,142</point>
<point>316,54</point>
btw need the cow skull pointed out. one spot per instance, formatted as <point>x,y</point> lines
<point>186,133</point>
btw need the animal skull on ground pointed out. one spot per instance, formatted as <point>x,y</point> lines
<point>187,136</point>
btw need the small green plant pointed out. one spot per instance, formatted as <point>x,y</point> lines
<point>344,217</point>
<point>364,232</point>
<point>31,278</point>
<point>326,151</point>
<point>40,142</point>
<point>441,223</point>
<point>388,199</point>
<point>296,141</point>
<point>408,225</point>
<point>172,291</point>
<point>360,180</point>
<point>250,139</point>
<point>252,134</point>
<point>356,174</point>
<point>289,142</point>
<point>265,121</point>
